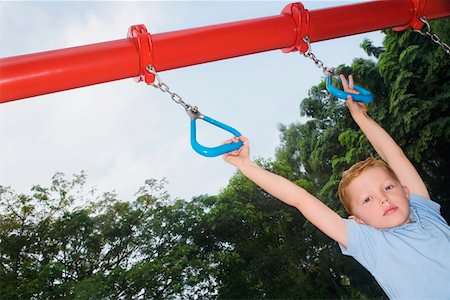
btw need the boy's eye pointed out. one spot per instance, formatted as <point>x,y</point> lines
<point>367,200</point>
<point>389,187</point>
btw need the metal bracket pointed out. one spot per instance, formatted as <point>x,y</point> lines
<point>415,23</point>
<point>143,42</point>
<point>301,18</point>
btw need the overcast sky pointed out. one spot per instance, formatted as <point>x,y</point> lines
<point>124,132</point>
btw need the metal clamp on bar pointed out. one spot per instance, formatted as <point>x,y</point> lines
<point>300,16</point>
<point>143,42</point>
<point>415,23</point>
<point>194,114</point>
<point>364,95</point>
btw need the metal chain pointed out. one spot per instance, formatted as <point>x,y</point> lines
<point>433,36</point>
<point>166,89</point>
<point>318,62</point>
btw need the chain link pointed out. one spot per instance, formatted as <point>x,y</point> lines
<point>166,89</point>
<point>434,37</point>
<point>318,62</point>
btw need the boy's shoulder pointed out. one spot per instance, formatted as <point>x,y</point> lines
<point>423,210</point>
<point>421,202</point>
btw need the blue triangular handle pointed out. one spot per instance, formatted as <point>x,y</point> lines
<point>213,151</point>
<point>364,95</point>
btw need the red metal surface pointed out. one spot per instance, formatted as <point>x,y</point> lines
<point>300,15</point>
<point>205,44</point>
<point>47,72</point>
<point>143,42</point>
<point>354,19</point>
<point>415,22</point>
<point>52,71</point>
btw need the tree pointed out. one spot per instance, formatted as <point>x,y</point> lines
<point>105,249</point>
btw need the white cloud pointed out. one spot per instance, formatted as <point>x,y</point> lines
<point>111,20</point>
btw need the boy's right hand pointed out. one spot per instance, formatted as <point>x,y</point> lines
<point>238,157</point>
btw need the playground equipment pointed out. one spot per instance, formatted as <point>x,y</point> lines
<point>142,54</point>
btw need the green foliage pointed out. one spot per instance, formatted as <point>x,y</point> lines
<point>109,249</point>
<point>370,49</point>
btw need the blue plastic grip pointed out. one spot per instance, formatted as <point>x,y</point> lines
<point>363,96</point>
<point>213,151</point>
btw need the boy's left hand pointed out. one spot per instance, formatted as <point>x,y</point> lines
<point>356,108</point>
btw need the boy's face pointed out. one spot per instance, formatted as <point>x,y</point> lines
<point>378,200</point>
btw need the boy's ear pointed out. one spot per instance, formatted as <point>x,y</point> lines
<point>406,190</point>
<point>358,220</point>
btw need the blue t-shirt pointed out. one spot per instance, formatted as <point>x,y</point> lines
<point>411,261</point>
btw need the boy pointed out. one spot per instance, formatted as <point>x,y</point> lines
<point>394,229</point>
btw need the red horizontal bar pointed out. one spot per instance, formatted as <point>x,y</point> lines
<point>52,71</point>
<point>205,44</point>
<point>354,19</point>
<point>42,73</point>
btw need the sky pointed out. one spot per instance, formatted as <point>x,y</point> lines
<point>122,133</point>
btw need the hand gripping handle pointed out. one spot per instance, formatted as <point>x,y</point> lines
<point>363,96</point>
<point>213,151</point>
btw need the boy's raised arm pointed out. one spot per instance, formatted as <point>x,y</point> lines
<point>385,145</point>
<point>319,214</point>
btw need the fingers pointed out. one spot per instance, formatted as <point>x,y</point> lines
<point>354,106</point>
<point>242,152</point>
<point>350,103</point>
<point>236,139</point>
<point>351,84</point>
<point>244,140</point>
<point>344,82</point>
<point>348,85</point>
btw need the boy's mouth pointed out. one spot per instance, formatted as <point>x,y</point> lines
<point>390,210</point>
